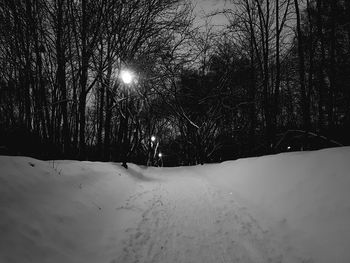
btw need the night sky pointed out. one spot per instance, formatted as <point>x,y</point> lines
<point>205,7</point>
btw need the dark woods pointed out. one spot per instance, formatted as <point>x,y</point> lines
<point>276,78</point>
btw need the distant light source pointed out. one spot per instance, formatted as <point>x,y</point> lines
<point>153,138</point>
<point>126,76</point>
<point>288,148</point>
<point>160,155</point>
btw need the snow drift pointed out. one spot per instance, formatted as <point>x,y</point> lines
<point>292,207</point>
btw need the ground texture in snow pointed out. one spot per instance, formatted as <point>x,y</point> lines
<point>283,208</point>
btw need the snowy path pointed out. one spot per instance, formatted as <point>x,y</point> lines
<point>287,208</point>
<point>185,219</point>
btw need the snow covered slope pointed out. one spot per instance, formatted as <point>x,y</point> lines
<point>292,207</point>
<point>302,198</point>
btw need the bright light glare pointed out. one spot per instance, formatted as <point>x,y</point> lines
<point>126,76</point>
<point>160,155</point>
<point>153,138</point>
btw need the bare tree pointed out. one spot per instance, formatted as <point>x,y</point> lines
<point>304,96</point>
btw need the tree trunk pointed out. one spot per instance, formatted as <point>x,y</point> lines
<point>100,119</point>
<point>332,77</point>
<point>278,67</point>
<point>321,77</point>
<point>83,83</point>
<point>61,76</point>
<point>252,92</point>
<point>264,28</point>
<point>82,107</point>
<point>125,137</point>
<point>101,97</point>
<point>311,58</point>
<point>107,124</point>
<point>27,80</point>
<point>304,102</point>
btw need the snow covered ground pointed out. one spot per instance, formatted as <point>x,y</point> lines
<point>292,207</point>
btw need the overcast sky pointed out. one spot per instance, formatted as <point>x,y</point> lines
<point>203,7</point>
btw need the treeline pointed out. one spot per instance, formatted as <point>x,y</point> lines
<point>297,55</point>
<point>60,60</point>
<point>276,78</point>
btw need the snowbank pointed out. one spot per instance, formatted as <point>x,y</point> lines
<point>60,211</point>
<point>302,198</point>
<point>70,211</point>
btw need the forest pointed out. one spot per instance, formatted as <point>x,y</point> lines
<point>275,78</point>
